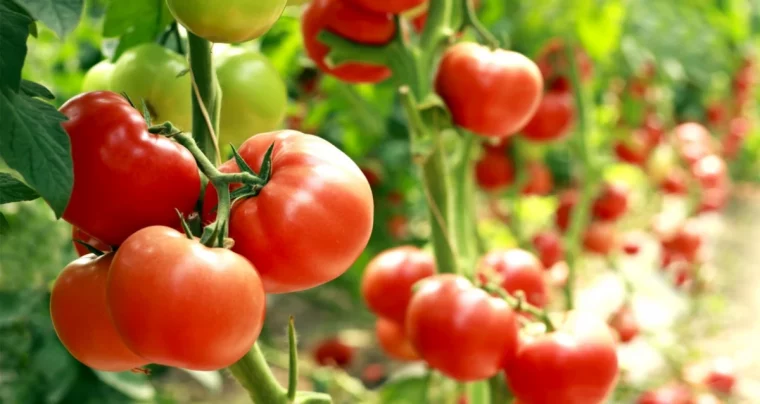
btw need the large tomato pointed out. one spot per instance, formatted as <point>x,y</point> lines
<point>98,77</point>
<point>389,277</point>
<point>611,203</point>
<point>388,6</point>
<point>124,177</point>
<point>344,18</point>
<point>553,118</point>
<point>310,222</point>
<point>393,340</point>
<point>254,96</point>
<point>80,316</point>
<point>515,270</point>
<point>150,73</point>
<point>494,171</point>
<point>78,234</point>
<point>229,20</point>
<point>548,246</point>
<point>490,92</point>
<point>459,329</point>
<point>179,303</point>
<point>576,364</point>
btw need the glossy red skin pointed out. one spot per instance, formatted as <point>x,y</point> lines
<point>611,203</point>
<point>389,277</point>
<point>80,316</point>
<point>553,118</point>
<point>577,364</point>
<point>344,18</point>
<point>721,378</point>
<point>78,234</point>
<point>515,270</point>
<point>686,241</point>
<point>494,171</point>
<point>460,330</point>
<point>599,238</point>
<point>179,303</point>
<point>567,201</point>
<point>492,93</point>
<point>670,394</point>
<point>398,227</point>
<point>625,324</point>
<point>124,177</point>
<point>388,6</point>
<point>540,180</point>
<point>393,340</point>
<point>310,222</point>
<point>711,171</point>
<point>553,64</point>
<point>334,352</point>
<point>548,246</point>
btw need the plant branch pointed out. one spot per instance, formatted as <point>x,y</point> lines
<point>471,19</point>
<point>514,192</point>
<point>207,97</point>
<point>254,375</point>
<point>520,305</point>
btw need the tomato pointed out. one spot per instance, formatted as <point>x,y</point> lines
<point>374,375</point>
<point>654,130</point>
<point>669,394</point>
<point>373,175</point>
<point>150,73</point>
<point>548,245</point>
<point>388,6</point>
<point>715,113</point>
<point>693,141</point>
<point>611,203</point>
<point>334,352</point>
<point>539,179</point>
<point>721,377</point>
<point>80,316</point>
<point>98,77</point>
<point>398,227</point>
<point>494,172</point>
<point>625,324</point>
<point>567,201</point>
<point>459,329</point>
<point>553,118</point>
<point>576,364</point>
<point>389,277</point>
<point>515,270</point>
<point>310,222</point>
<point>254,96</point>
<point>393,340</point>
<point>552,61</point>
<point>713,199</point>
<point>78,234</point>
<point>711,171</point>
<point>344,18</point>
<point>228,22</point>
<point>491,93</point>
<point>179,303</point>
<point>633,150</point>
<point>116,187</point>
<point>686,241</point>
<point>675,183</point>
<point>599,238</point>
<point>631,246</point>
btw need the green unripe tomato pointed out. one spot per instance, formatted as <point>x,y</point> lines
<point>148,72</point>
<point>227,21</point>
<point>98,77</point>
<point>254,96</point>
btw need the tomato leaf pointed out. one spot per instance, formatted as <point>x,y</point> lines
<point>13,190</point>
<point>33,143</point>
<point>133,385</point>
<point>14,28</point>
<point>33,89</point>
<point>62,16</point>
<point>136,22</point>
<point>4,226</point>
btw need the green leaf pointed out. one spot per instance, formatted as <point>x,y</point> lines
<point>13,190</point>
<point>14,29</point>
<point>408,390</point>
<point>133,385</point>
<point>4,226</point>
<point>33,143</point>
<point>33,89</point>
<point>136,21</point>
<point>62,16</point>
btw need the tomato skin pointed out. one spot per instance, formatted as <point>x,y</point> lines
<point>116,187</point>
<point>393,340</point>
<point>567,201</point>
<point>577,364</point>
<point>611,203</point>
<point>625,324</point>
<point>98,77</point>
<point>675,183</point>
<point>232,21</point>
<point>254,96</point>
<point>553,118</point>
<point>540,180</point>
<point>179,303</point>
<point>81,320</point>
<point>460,330</point>
<point>343,18</point>
<point>711,171</point>
<point>468,78</point>
<point>685,241</point>
<point>669,394</point>
<point>599,238</point>
<point>514,270</point>
<point>389,277</point>
<point>334,352</point>
<point>494,171</point>
<point>310,222</point>
<point>78,234</point>
<point>635,149</point>
<point>548,245</point>
<point>151,73</point>
<point>721,377</point>
<point>388,6</point>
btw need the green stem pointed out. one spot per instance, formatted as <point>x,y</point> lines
<point>464,225</point>
<point>471,19</point>
<point>520,305</point>
<point>436,184</point>
<point>515,192</point>
<point>216,177</point>
<point>292,360</point>
<point>254,375</point>
<point>209,105</point>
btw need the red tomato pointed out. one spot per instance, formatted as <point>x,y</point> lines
<point>625,324</point>
<point>514,270</point>
<point>344,18</point>
<point>548,245</point>
<point>389,277</point>
<point>721,377</point>
<point>635,149</point>
<point>398,227</point>
<point>716,113</point>
<point>81,320</point>
<point>117,189</point>
<point>611,203</point>
<point>552,61</point>
<point>631,246</point>
<point>686,241</point>
<point>675,182</point>
<point>539,179</point>
<point>388,6</point>
<point>78,234</point>
<point>374,374</point>
<point>670,394</point>
<point>653,129</point>
<point>459,329</point>
<point>713,199</point>
<point>310,222</point>
<point>393,340</point>
<point>599,238</point>
<point>693,141</point>
<point>553,118</point>
<point>489,92</point>
<point>374,178</point>
<point>179,303</point>
<point>334,352</point>
<point>494,172</point>
<point>711,171</point>
<point>577,364</point>
<point>567,201</point>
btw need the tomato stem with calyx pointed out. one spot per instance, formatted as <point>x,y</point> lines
<point>254,374</point>
<point>520,305</point>
<point>471,19</point>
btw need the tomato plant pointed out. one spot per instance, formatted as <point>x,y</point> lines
<point>231,21</point>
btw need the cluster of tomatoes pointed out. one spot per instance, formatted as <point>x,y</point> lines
<point>153,294</point>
